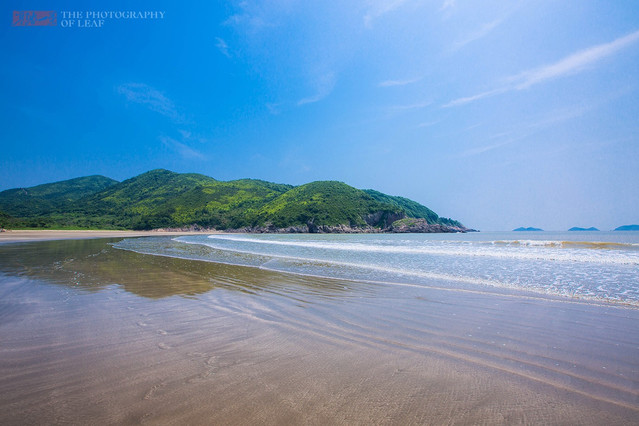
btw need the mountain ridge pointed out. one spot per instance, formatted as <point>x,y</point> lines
<point>164,199</point>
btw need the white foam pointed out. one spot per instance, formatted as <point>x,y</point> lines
<point>322,267</point>
<point>496,249</point>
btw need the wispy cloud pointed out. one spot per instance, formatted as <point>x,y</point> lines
<point>273,108</point>
<point>480,150</point>
<point>146,95</point>
<point>427,124</point>
<point>529,129</point>
<point>381,8</point>
<point>560,115</point>
<point>324,86</point>
<point>222,47</point>
<point>392,83</point>
<point>480,33</point>
<point>182,149</point>
<point>252,17</point>
<point>469,99</point>
<point>571,64</point>
<point>408,107</point>
<point>448,4</point>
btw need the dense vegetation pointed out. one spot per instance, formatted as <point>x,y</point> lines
<point>412,208</point>
<point>51,197</point>
<point>164,199</point>
<point>325,203</point>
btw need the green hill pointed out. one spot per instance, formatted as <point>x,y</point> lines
<point>164,199</point>
<point>6,221</point>
<point>412,208</point>
<point>325,203</point>
<point>51,197</point>
<point>161,199</point>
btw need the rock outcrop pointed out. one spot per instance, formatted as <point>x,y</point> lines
<point>406,225</point>
<point>410,225</point>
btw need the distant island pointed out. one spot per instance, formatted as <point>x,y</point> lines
<point>162,199</point>
<point>530,229</point>
<point>628,228</point>
<point>576,228</point>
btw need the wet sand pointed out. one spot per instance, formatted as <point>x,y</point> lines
<point>11,236</point>
<point>94,335</point>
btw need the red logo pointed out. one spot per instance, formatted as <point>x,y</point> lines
<point>34,18</point>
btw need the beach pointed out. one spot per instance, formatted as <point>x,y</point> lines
<point>12,236</point>
<point>95,334</point>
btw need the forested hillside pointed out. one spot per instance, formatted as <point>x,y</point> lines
<point>164,199</point>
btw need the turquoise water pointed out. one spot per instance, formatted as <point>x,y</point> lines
<point>600,266</point>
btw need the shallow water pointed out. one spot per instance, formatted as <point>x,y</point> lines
<point>589,266</point>
<point>94,334</point>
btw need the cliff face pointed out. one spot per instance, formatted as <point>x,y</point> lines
<point>410,225</point>
<point>384,219</point>
<point>403,225</point>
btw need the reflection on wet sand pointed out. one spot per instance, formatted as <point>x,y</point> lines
<point>91,334</point>
<point>92,265</point>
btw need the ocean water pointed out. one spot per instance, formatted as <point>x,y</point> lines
<point>595,266</point>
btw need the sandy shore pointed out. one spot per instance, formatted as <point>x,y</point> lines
<point>47,235</point>
<point>95,335</point>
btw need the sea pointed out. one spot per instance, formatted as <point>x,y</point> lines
<point>601,267</point>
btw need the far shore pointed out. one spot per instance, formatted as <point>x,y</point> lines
<point>9,236</point>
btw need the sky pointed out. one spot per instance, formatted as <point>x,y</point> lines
<point>497,113</point>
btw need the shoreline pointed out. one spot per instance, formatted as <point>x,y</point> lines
<point>21,236</point>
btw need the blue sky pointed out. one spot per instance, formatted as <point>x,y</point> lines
<point>499,114</point>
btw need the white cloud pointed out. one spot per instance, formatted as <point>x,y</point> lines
<point>569,65</point>
<point>448,4</point>
<point>186,134</point>
<point>252,17</point>
<point>184,150</point>
<point>408,107</point>
<point>573,63</point>
<point>380,9</point>
<point>482,149</point>
<point>273,108</point>
<point>551,119</point>
<point>392,83</point>
<point>222,46</point>
<point>428,123</point>
<point>146,95</point>
<point>324,86</point>
<point>482,32</point>
<point>561,115</point>
<point>469,99</point>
